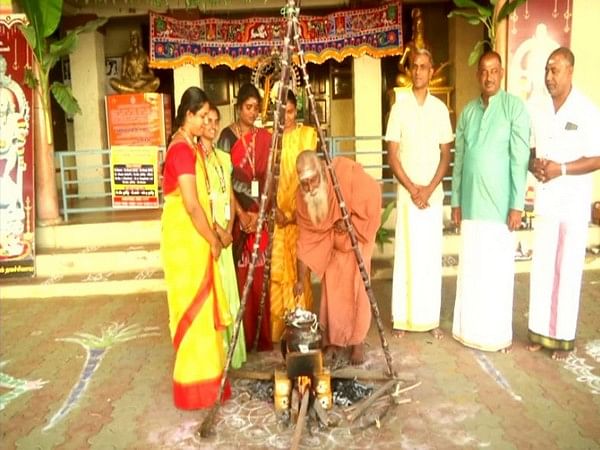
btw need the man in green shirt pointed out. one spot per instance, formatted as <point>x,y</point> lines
<point>488,193</point>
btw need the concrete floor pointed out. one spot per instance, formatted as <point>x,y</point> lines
<point>95,372</point>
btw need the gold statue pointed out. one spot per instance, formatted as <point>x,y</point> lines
<point>136,76</point>
<point>417,42</point>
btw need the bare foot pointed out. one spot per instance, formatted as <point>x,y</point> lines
<point>357,354</point>
<point>506,350</point>
<point>437,333</point>
<point>534,347</point>
<point>398,333</point>
<point>330,352</point>
<point>560,355</point>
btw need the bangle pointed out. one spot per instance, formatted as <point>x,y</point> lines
<point>563,169</point>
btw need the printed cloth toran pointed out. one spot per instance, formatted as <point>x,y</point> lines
<point>376,32</point>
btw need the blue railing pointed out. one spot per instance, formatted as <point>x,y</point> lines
<point>73,201</point>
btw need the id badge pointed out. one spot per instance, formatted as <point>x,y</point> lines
<point>254,188</point>
<point>227,211</point>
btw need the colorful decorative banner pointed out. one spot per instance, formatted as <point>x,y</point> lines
<point>376,32</point>
<point>134,176</point>
<point>17,209</point>
<point>535,29</point>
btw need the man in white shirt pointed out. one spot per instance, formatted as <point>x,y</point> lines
<point>419,136</point>
<point>566,147</point>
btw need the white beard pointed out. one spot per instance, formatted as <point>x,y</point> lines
<point>317,204</point>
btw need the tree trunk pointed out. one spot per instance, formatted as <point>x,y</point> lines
<point>46,194</point>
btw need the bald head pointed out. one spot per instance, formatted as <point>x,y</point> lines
<point>565,54</point>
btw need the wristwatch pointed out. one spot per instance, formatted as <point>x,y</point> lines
<point>563,169</point>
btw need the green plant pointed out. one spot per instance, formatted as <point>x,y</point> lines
<point>44,18</point>
<point>383,234</point>
<point>489,15</point>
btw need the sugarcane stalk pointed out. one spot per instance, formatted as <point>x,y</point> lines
<point>266,276</point>
<point>342,204</point>
<point>207,426</point>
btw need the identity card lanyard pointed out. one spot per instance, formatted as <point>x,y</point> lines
<point>222,183</point>
<point>251,157</point>
<point>206,180</point>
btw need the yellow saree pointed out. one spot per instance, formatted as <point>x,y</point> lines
<point>198,309</point>
<point>283,256</point>
<point>218,164</point>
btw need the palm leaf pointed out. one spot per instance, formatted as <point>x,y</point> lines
<point>382,236</point>
<point>508,8</point>
<point>64,96</point>
<point>476,53</point>
<point>28,32</point>
<point>484,11</point>
<point>92,25</point>
<point>386,212</point>
<point>64,46</point>
<point>30,80</point>
<point>469,15</point>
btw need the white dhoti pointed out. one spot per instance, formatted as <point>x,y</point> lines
<point>485,284</point>
<point>558,260</point>
<point>417,282</point>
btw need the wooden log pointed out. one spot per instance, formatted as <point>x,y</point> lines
<point>364,404</point>
<point>370,375</point>
<point>321,413</point>
<point>262,375</point>
<point>299,428</point>
<point>398,391</point>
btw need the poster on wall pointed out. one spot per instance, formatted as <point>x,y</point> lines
<point>535,29</point>
<point>134,176</point>
<point>138,119</point>
<point>17,209</point>
<point>138,127</point>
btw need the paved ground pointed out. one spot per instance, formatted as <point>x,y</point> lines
<point>95,372</point>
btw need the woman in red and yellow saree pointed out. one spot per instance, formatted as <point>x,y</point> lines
<point>296,138</point>
<point>249,149</point>
<point>198,309</point>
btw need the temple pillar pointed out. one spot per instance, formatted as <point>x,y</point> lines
<point>367,113</point>
<point>88,82</point>
<point>462,39</point>
<point>184,77</point>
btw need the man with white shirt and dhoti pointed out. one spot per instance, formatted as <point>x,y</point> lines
<point>419,135</point>
<point>488,194</point>
<point>566,141</point>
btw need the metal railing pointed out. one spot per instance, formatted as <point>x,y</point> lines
<point>74,175</point>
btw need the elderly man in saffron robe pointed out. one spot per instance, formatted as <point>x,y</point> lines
<point>324,246</point>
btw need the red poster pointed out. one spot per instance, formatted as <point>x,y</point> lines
<point>138,119</point>
<point>17,218</point>
<point>535,29</point>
